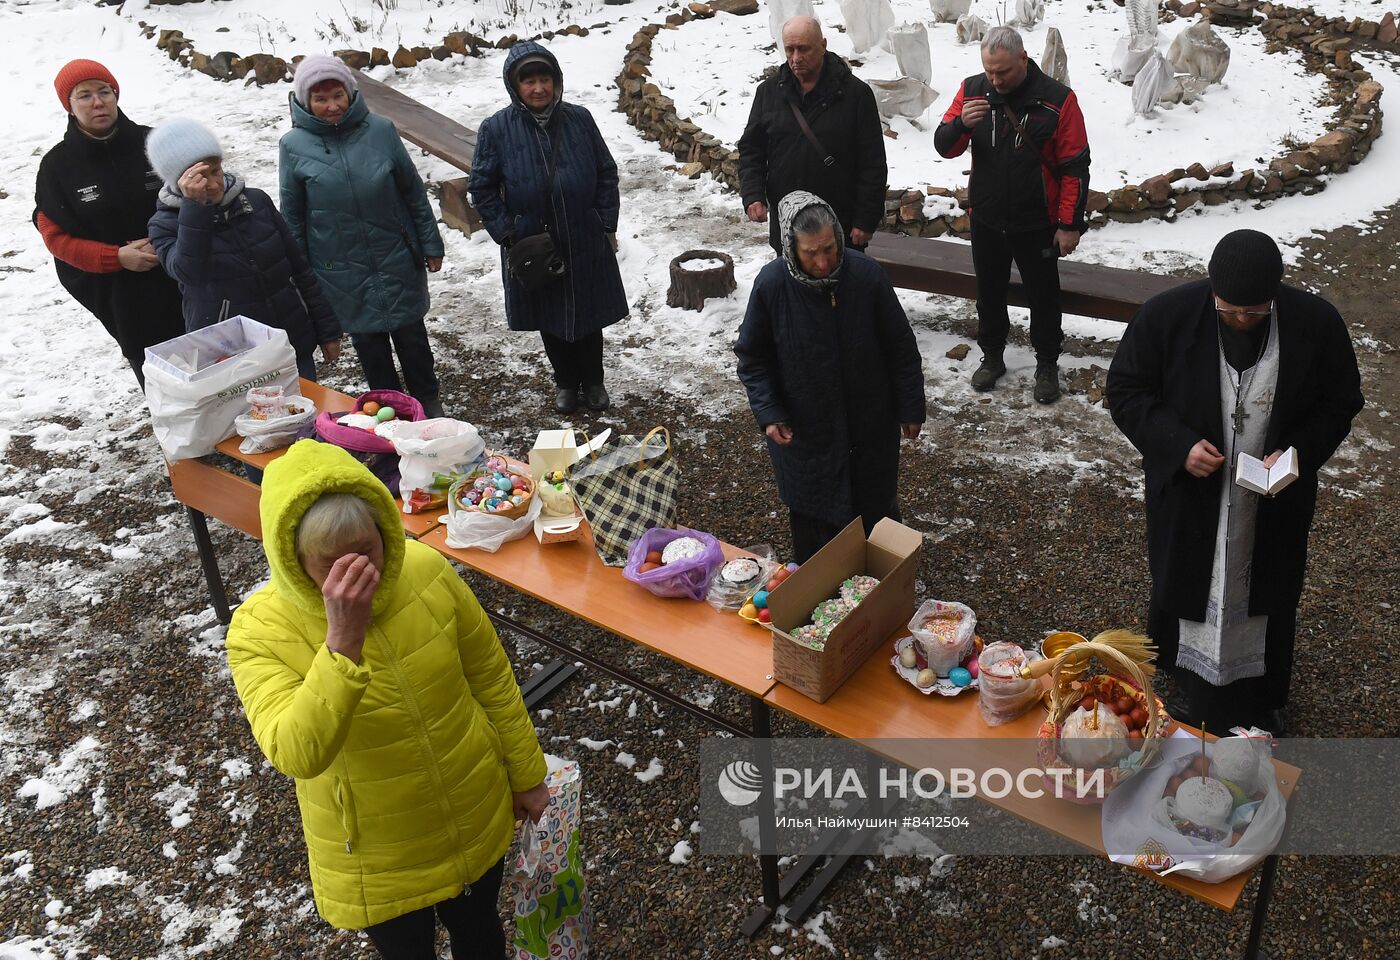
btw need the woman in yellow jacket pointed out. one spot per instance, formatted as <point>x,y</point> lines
<point>372,676</point>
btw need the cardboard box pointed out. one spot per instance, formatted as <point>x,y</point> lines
<point>891,554</point>
<point>560,529</point>
<point>559,450</point>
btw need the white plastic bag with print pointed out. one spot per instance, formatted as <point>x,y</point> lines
<point>197,384</point>
<point>553,917</point>
<point>1137,829</point>
<point>472,529</point>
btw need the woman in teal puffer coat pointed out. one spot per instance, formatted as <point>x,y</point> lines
<point>355,202</point>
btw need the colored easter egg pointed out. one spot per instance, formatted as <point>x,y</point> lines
<point>748,610</point>
<point>792,568</point>
<point>765,615</point>
<point>960,676</point>
<point>385,414</point>
<point>971,666</point>
<point>369,408</point>
<point>502,484</point>
<point>760,599</point>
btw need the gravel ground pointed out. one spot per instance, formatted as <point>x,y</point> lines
<point>1034,519</point>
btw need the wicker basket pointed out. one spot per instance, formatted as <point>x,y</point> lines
<point>1130,656</point>
<point>456,495</point>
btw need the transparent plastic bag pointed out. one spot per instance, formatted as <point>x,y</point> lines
<point>729,595</point>
<point>1002,693</point>
<point>689,577</point>
<point>260,436</point>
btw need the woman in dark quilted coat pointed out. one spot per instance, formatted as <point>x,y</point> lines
<point>510,188</point>
<point>229,249</point>
<point>356,206</point>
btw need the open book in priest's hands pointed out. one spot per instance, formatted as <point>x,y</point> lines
<point>1251,473</point>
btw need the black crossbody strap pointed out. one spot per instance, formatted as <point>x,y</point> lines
<point>827,159</point>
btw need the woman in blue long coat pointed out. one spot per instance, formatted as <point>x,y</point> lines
<point>356,205</point>
<point>511,190</point>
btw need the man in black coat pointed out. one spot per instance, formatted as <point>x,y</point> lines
<point>845,166</point>
<point>833,375</point>
<point>1238,364</point>
<point>94,196</point>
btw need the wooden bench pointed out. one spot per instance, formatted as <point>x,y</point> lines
<point>441,136</point>
<point>1086,289</point>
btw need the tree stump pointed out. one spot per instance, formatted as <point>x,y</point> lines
<point>697,275</point>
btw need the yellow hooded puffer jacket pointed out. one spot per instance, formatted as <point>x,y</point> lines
<point>404,763</point>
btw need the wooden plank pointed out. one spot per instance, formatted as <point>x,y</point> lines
<point>570,576</point>
<point>876,707</point>
<point>441,136</point>
<point>217,493</point>
<point>945,267</point>
<point>457,210</point>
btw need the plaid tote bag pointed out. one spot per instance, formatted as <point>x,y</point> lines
<point>625,489</point>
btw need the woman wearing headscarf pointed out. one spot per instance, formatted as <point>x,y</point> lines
<point>541,167</point>
<point>356,205</point>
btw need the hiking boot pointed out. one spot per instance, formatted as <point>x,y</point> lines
<point>1047,383</point>
<point>432,409</point>
<point>597,397</point>
<point>987,375</point>
<point>565,400</point>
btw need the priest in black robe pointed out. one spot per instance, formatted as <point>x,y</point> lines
<point>1241,363</point>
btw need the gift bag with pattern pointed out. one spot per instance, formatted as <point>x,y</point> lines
<point>552,913</point>
<point>625,489</point>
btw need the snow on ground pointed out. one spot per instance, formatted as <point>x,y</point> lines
<point>1236,121</point>
<point>69,395</point>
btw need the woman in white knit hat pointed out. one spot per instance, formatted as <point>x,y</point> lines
<point>357,207</point>
<point>229,249</point>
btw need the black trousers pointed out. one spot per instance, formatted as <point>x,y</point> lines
<point>472,922</point>
<point>376,352</point>
<point>1239,704</point>
<point>1034,255</point>
<point>576,363</point>
<point>810,534</point>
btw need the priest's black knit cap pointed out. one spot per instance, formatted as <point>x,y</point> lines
<point>1246,268</point>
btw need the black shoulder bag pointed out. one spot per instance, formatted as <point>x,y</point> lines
<point>827,159</point>
<point>534,261</point>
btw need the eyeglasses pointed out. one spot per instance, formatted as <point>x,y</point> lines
<point>89,96</point>
<point>1244,314</point>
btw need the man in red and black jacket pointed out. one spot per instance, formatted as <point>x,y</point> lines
<point>1026,196</point>
<point>95,192</point>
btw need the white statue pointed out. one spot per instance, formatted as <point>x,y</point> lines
<point>866,22</point>
<point>781,11</point>
<point>1199,51</point>
<point>1150,83</point>
<point>971,28</point>
<point>909,44</point>
<point>1054,62</point>
<point>948,11</point>
<point>1130,55</point>
<point>1142,17</point>
<point>1028,13</point>
<point>905,97</point>
<point>1182,88</point>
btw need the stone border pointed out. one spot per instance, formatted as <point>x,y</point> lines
<point>264,68</point>
<point>1324,43</point>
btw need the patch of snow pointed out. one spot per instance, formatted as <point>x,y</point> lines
<point>594,745</point>
<point>63,778</point>
<point>105,877</point>
<point>681,853</point>
<point>653,770</point>
<point>626,760</point>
